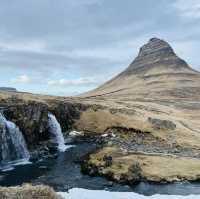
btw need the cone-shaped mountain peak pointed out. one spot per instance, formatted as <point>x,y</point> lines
<point>157,47</point>
<point>156,68</point>
<point>157,54</point>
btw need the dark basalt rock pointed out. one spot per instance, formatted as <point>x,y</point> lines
<point>156,47</point>
<point>162,124</point>
<point>31,118</point>
<point>108,160</point>
<point>66,113</point>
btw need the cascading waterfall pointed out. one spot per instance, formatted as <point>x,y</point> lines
<point>55,130</point>
<point>13,149</point>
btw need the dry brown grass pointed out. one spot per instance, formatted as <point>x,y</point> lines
<point>28,192</point>
<point>153,167</point>
<point>27,96</point>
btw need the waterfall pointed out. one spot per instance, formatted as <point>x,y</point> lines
<point>55,130</point>
<point>13,149</point>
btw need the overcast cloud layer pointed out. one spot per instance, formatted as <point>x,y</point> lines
<point>70,46</point>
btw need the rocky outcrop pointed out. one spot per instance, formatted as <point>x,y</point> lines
<point>155,53</point>
<point>66,113</point>
<point>130,168</point>
<point>28,192</point>
<point>105,165</point>
<point>31,118</point>
<point>162,124</point>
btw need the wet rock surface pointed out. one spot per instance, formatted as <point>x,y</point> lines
<point>32,120</point>
<point>66,113</point>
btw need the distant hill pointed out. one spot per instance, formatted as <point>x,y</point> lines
<point>9,89</point>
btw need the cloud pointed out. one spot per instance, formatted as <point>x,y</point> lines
<point>22,79</point>
<point>87,38</point>
<point>188,8</point>
<point>20,46</point>
<point>73,82</point>
<point>85,2</point>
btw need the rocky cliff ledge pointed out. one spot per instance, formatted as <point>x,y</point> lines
<point>31,118</point>
<point>30,114</point>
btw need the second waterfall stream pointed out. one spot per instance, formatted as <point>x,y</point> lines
<point>13,149</point>
<point>56,131</point>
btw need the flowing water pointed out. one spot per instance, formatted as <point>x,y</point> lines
<point>56,132</point>
<point>64,175</point>
<point>13,149</point>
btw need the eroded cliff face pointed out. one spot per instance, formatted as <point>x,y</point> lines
<point>31,116</point>
<point>66,113</point>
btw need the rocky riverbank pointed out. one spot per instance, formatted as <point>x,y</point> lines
<point>131,167</point>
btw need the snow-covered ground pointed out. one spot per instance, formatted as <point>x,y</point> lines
<point>78,193</point>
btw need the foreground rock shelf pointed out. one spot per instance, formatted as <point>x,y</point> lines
<point>130,168</point>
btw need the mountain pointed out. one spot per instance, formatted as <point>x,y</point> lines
<point>157,72</point>
<point>9,89</point>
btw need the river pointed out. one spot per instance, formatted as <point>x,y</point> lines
<point>64,175</point>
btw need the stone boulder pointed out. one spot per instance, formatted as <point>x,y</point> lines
<point>162,124</point>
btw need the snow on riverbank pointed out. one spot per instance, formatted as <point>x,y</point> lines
<point>78,193</point>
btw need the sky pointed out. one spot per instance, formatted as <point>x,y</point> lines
<point>66,47</point>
